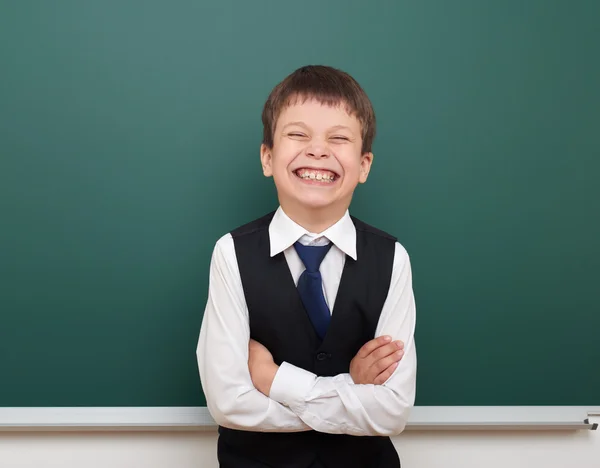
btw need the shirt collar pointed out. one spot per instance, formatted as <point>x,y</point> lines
<point>283,232</point>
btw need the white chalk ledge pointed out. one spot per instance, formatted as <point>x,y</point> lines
<point>557,418</point>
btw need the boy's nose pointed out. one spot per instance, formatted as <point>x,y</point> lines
<point>317,151</point>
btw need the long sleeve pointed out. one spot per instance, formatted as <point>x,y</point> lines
<point>336,404</point>
<point>222,354</point>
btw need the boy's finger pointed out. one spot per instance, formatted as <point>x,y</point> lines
<point>372,345</point>
<point>383,364</point>
<point>386,350</point>
<point>386,374</point>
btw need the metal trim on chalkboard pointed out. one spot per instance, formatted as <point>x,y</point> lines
<point>594,425</point>
<point>455,418</point>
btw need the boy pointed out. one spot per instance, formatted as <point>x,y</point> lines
<point>306,351</point>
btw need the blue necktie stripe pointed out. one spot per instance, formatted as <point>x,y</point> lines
<point>310,286</point>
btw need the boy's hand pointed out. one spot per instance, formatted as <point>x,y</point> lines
<point>261,366</point>
<point>376,360</point>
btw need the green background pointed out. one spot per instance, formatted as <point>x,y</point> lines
<point>129,143</point>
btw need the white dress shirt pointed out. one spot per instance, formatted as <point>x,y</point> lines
<point>299,400</point>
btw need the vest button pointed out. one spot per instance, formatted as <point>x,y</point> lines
<point>322,356</point>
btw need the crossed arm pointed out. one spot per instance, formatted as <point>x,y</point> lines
<point>373,364</point>
<point>246,390</point>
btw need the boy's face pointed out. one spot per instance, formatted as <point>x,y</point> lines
<point>316,158</point>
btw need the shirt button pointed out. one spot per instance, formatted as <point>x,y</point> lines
<point>321,356</point>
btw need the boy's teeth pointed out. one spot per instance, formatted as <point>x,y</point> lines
<point>325,176</point>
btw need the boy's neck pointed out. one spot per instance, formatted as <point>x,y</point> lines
<point>314,220</point>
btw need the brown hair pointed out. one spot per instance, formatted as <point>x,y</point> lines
<point>327,85</point>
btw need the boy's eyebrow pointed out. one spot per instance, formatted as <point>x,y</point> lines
<point>341,127</point>
<point>302,124</point>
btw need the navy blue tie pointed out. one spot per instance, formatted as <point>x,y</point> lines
<point>310,286</point>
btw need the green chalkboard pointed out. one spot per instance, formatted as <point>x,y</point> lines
<point>129,143</point>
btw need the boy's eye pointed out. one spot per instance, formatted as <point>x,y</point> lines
<point>340,138</point>
<point>296,134</point>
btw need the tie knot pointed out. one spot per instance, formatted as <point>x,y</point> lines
<point>312,255</point>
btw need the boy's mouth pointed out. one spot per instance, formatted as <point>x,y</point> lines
<point>317,175</point>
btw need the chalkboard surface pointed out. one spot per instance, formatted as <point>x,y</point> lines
<point>129,139</point>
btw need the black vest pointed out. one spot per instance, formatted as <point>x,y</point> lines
<point>279,321</point>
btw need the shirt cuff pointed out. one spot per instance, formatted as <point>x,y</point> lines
<point>348,379</point>
<point>291,385</point>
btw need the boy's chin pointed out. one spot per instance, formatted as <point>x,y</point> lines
<point>318,204</point>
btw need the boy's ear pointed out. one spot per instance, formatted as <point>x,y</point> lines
<point>266,160</point>
<point>366,160</point>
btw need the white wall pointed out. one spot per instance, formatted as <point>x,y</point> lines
<point>418,449</point>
